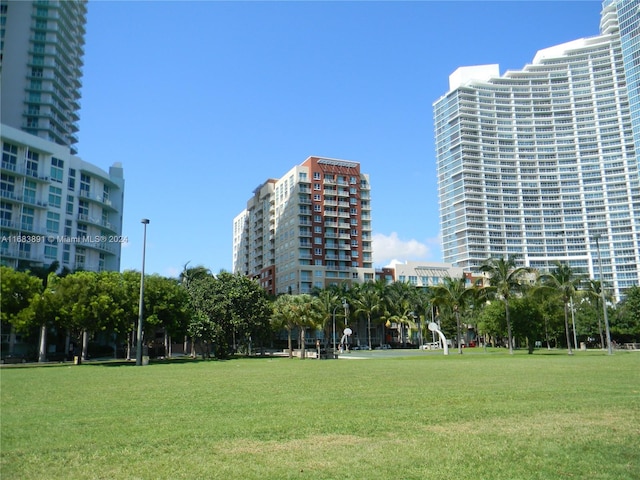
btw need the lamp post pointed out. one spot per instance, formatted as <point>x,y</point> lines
<point>334,328</point>
<point>346,321</point>
<point>145,222</point>
<point>604,301</point>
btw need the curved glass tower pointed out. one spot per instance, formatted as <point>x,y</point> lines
<point>540,162</point>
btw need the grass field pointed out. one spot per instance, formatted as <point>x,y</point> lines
<point>475,416</point>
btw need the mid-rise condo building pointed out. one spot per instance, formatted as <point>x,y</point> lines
<point>309,228</point>
<point>541,163</point>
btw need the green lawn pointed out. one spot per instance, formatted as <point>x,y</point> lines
<point>475,416</point>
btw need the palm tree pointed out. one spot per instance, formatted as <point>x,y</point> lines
<point>329,302</point>
<point>594,293</point>
<point>307,313</point>
<point>454,294</point>
<point>399,306</point>
<point>283,317</point>
<point>366,301</point>
<point>565,282</point>
<point>504,279</point>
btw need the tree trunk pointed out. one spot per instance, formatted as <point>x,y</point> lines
<point>458,332</point>
<point>506,305</point>
<point>566,328</point>
<point>67,344</point>
<point>289,343</point>
<point>85,344</point>
<point>167,345</point>
<point>302,344</point>
<point>42,352</point>
<point>12,340</point>
<point>604,347</point>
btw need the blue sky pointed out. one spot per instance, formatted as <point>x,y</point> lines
<point>202,101</point>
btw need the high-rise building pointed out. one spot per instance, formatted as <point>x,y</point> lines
<point>541,163</point>
<point>310,228</point>
<point>53,205</point>
<point>40,62</point>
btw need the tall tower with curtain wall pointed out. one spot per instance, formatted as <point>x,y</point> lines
<point>541,163</point>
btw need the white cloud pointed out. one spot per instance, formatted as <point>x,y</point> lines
<point>391,249</point>
<point>173,272</point>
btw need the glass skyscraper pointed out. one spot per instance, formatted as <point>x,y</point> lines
<point>539,163</point>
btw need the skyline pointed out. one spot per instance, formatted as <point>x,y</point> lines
<point>257,88</point>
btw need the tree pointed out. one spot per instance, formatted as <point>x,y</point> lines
<point>492,321</point>
<point>627,318</point>
<point>42,310</point>
<point>454,295</point>
<point>166,306</point>
<point>505,279</point>
<point>17,289</point>
<point>565,282</point>
<point>528,320</point>
<point>236,307</point>
<point>366,301</point>
<point>593,293</point>
<point>283,316</point>
<point>91,302</point>
<point>329,302</point>
<point>307,313</point>
<point>398,306</point>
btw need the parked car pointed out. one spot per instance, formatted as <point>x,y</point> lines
<point>430,346</point>
<point>384,346</point>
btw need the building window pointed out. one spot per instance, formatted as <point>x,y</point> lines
<point>317,240</point>
<point>83,209</point>
<point>318,251</point>
<point>85,182</point>
<point>317,208</point>
<point>57,169</point>
<point>316,186</point>
<point>53,222</point>
<point>80,257</point>
<point>9,156</point>
<point>68,224</point>
<point>317,218</point>
<point>27,218</point>
<point>32,164</point>
<point>55,196</point>
<point>316,176</point>
<point>70,204</point>
<point>7,185</point>
<point>317,197</point>
<point>72,179</point>
<point>317,229</point>
<point>51,252</point>
<point>5,213</point>
<point>30,191</point>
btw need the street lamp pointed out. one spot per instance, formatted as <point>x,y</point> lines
<point>346,320</point>
<point>604,301</point>
<point>334,328</point>
<point>145,222</point>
